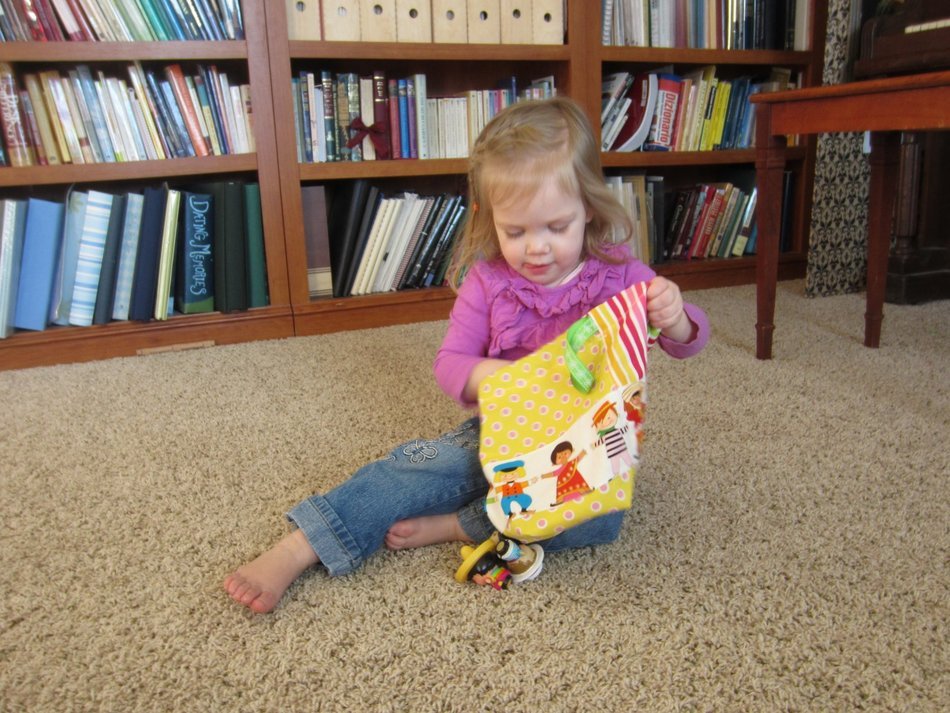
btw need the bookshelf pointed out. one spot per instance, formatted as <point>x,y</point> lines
<point>270,59</point>
<point>248,58</point>
<point>463,66</point>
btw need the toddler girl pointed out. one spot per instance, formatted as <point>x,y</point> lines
<point>545,242</point>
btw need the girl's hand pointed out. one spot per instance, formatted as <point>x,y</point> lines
<point>665,310</point>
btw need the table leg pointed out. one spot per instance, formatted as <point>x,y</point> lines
<point>884,161</point>
<point>769,169</point>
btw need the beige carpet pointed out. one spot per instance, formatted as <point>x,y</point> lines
<point>788,547</point>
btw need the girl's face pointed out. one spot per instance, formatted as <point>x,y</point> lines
<point>542,239</point>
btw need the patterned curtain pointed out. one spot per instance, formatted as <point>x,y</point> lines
<point>837,258</point>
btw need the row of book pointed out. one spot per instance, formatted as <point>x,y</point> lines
<point>457,21</point>
<point>345,117</point>
<point>120,20</point>
<point>696,111</point>
<point>97,257</point>
<point>371,241</point>
<point>79,117</point>
<point>712,220</point>
<point>707,24</point>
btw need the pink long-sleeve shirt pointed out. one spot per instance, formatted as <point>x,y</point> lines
<point>500,314</point>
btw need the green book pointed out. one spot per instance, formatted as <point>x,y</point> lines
<point>194,282</point>
<point>256,261</point>
<point>166,256</point>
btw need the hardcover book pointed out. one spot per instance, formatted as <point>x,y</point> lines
<point>41,239</point>
<point>92,243</point>
<point>142,305</point>
<point>254,244</point>
<point>125,271</point>
<point>194,282</point>
<point>65,278</point>
<point>12,225</point>
<point>166,254</point>
<point>110,261</point>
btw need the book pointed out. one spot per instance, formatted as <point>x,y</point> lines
<point>382,225</point>
<point>44,124</point>
<point>664,115</point>
<point>105,295</point>
<point>194,279</point>
<point>12,226</point>
<point>644,93</point>
<point>320,275</point>
<point>346,213</point>
<point>228,243</point>
<point>144,281</point>
<point>254,243</point>
<point>745,228</point>
<point>65,275</point>
<point>41,240</point>
<point>18,147</point>
<point>166,254</point>
<point>125,270</point>
<point>92,242</point>
<point>381,120</point>
<point>176,80</point>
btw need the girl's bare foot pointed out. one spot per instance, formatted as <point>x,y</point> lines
<point>261,583</point>
<point>422,531</point>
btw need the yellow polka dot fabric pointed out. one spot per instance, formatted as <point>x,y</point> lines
<point>554,455</point>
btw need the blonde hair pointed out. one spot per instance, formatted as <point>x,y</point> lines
<point>518,149</point>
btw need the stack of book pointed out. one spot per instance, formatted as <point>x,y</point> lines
<point>707,24</point>
<point>380,242</point>
<point>120,20</point>
<point>80,117</point>
<point>698,111</point>
<point>345,117</point>
<point>98,257</point>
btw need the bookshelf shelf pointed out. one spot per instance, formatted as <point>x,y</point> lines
<point>651,159</point>
<point>391,51</point>
<point>126,171</point>
<point>656,56</point>
<point>382,169</point>
<point>53,52</point>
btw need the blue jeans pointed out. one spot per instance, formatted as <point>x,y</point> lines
<point>418,478</point>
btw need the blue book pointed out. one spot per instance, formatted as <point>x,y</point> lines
<point>99,125</point>
<point>41,240</point>
<point>403,94</point>
<point>12,225</point>
<point>178,121</point>
<point>125,271</point>
<point>172,21</point>
<point>62,298</point>
<point>92,246</point>
<point>142,306</point>
<point>164,119</point>
<point>194,283</point>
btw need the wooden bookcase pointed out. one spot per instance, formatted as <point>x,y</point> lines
<point>271,59</point>
<point>577,66</point>
<point>250,58</point>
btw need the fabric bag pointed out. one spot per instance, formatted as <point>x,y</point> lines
<point>561,427</point>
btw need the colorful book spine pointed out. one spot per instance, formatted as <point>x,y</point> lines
<point>18,147</point>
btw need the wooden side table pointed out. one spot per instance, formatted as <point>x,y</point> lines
<point>885,107</point>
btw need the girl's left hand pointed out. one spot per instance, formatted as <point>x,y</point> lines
<point>665,309</point>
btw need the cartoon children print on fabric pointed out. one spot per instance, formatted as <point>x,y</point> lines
<point>535,413</point>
